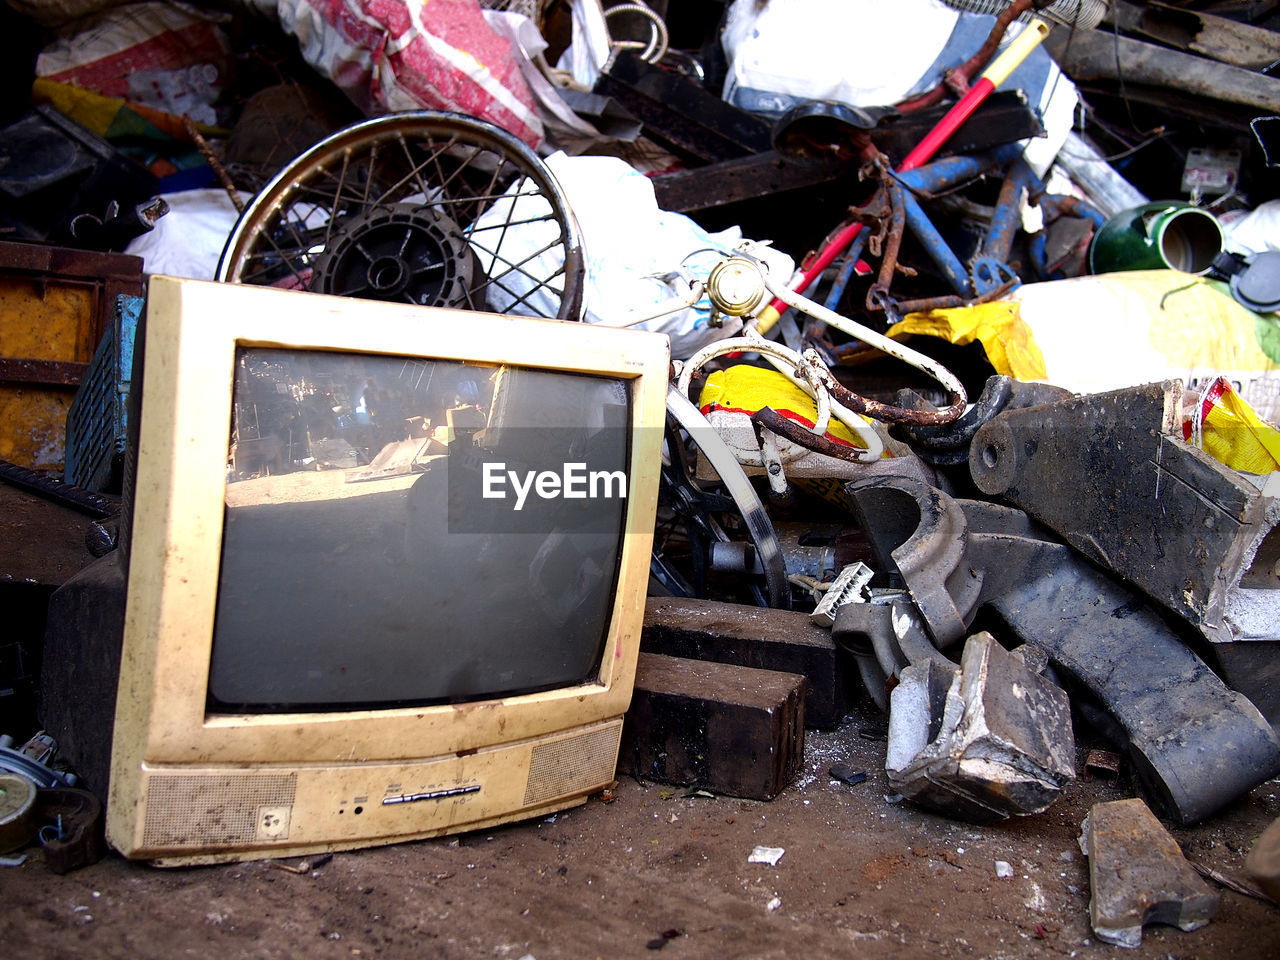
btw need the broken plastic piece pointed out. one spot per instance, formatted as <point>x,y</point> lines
<point>847,774</point>
<point>769,855</point>
<point>847,588</point>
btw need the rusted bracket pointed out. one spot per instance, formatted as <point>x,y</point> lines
<point>948,445</point>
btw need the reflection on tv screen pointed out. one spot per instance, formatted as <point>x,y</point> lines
<point>400,531</point>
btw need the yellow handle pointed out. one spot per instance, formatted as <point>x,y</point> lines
<point>766,318</point>
<point>1018,50</point>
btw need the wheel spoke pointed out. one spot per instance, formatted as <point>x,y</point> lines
<point>337,195</point>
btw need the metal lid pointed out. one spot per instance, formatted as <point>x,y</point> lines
<point>17,811</point>
<point>1258,285</point>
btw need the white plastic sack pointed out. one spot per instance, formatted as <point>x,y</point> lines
<point>563,127</point>
<point>589,49</point>
<point>188,240</point>
<point>630,246</point>
<point>1256,231</point>
<point>866,53</point>
<point>871,54</point>
<point>1114,330</point>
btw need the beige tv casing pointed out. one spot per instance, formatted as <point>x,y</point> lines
<point>190,787</point>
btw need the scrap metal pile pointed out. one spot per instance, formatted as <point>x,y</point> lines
<point>1054,505</point>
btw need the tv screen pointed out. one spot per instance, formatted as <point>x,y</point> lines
<point>437,572</point>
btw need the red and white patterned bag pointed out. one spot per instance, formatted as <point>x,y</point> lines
<point>390,55</point>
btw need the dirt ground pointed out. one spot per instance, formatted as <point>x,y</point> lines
<point>652,869</point>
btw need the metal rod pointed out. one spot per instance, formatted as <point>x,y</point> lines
<point>214,163</point>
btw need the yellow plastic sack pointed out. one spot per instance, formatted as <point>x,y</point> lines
<point>1229,430</point>
<point>746,389</point>
<point>1115,330</point>
<point>1009,343</point>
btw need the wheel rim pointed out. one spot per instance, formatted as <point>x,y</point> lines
<point>430,208</point>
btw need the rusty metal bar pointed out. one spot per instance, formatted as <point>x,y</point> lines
<point>56,373</point>
<point>215,164</point>
<point>798,434</point>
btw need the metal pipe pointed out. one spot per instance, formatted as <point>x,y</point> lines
<point>846,271</point>
<point>1008,213</point>
<point>997,73</point>
<point>1017,51</point>
<point>882,343</point>
<point>951,171</point>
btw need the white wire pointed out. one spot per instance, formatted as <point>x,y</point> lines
<point>807,371</point>
<point>856,330</point>
<point>697,290</point>
<point>656,48</point>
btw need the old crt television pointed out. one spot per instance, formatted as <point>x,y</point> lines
<point>385,566</point>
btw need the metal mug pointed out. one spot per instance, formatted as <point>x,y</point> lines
<point>1163,235</point>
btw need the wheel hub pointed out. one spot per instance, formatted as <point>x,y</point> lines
<point>403,253</point>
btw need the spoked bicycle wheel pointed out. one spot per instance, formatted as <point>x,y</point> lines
<point>429,208</point>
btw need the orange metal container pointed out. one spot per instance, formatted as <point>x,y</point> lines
<point>54,306</point>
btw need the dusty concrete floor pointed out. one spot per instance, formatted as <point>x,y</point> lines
<point>860,876</point>
<point>653,869</point>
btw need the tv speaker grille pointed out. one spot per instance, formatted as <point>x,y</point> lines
<point>188,810</point>
<point>572,765</point>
